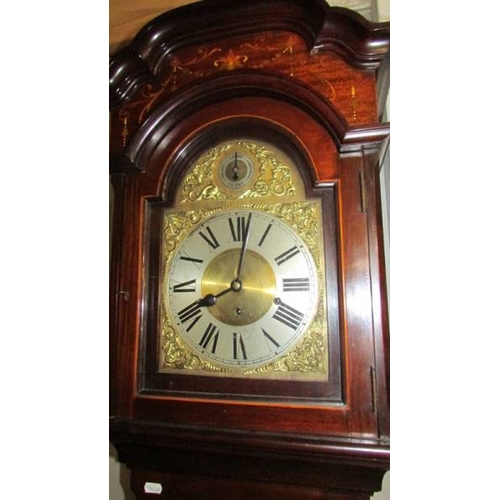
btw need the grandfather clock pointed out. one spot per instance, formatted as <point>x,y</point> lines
<point>249,340</point>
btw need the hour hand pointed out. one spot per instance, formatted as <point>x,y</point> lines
<point>211,299</point>
<point>207,301</point>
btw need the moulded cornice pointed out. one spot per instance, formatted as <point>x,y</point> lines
<point>325,29</point>
<point>361,43</point>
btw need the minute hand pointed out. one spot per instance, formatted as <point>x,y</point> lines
<point>244,246</point>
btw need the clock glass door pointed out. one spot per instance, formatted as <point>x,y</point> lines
<point>246,298</point>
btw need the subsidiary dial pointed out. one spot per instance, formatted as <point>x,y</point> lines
<point>236,170</point>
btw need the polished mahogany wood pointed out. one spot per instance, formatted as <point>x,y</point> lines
<point>188,485</point>
<point>334,51</point>
<point>323,28</point>
<point>306,73</point>
<point>356,415</point>
<point>190,461</point>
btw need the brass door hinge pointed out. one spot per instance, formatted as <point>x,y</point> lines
<point>362,193</point>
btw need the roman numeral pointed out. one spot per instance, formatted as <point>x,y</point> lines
<point>192,259</point>
<point>268,337</point>
<point>184,287</point>
<point>295,284</point>
<point>291,252</point>
<point>209,238</point>
<point>238,229</point>
<point>288,316</point>
<point>211,336</point>
<point>268,228</point>
<point>191,313</point>
<point>239,350</point>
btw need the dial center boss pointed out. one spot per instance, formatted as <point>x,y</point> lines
<point>252,295</point>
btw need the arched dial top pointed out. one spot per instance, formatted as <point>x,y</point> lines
<point>240,168</point>
<point>243,279</point>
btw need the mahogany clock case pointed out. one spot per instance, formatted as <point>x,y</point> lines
<point>145,190</point>
<point>307,78</point>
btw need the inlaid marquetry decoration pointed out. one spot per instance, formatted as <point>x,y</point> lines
<point>280,53</point>
<point>124,117</point>
<point>231,61</point>
<point>354,103</point>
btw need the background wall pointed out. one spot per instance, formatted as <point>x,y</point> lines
<point>126,18</point>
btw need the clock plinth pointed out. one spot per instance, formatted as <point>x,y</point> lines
<point>249,341</point>
<point>218,462</point>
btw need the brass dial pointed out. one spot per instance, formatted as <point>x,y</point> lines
<point>252,299</point>
<point>242,288</point>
